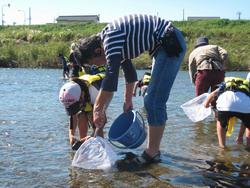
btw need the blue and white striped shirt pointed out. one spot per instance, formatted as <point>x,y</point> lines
<point>132,35</point>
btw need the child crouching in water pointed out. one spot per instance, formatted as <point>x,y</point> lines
<point>233,101</point>
<point>78,97</point>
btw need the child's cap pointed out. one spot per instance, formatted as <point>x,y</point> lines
<point>69,96</point>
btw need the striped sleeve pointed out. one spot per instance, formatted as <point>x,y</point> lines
<point>132,35</point>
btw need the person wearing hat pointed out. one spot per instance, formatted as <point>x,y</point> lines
<point>207,66</point>
<point>78,97</point>
<point>117,44</point>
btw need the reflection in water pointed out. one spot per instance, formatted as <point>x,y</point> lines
<point>173,171</point>
<point>149,177</point>
<point>205,132</point>
<point>95,178</point>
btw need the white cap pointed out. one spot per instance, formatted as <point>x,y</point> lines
<point>69,93</point>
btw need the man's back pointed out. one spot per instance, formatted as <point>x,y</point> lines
<point>205,52</point>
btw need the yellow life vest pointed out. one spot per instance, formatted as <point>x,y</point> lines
<point>88,80</point>
<point>102,68</point>
<point>81,71</point>
<point>237,84</point>
<point>99,69</point>
<point>88,107</point>
<point>146,79</point>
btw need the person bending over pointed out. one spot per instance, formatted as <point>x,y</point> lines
<point>78,97</point>
<point>117,44</point>
<point>233,101</point>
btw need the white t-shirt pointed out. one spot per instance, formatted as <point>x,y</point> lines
<point>248,77</point>
<point>234,102</point>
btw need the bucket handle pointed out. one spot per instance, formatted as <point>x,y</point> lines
<point>143,123</point>
<point>126,147</point>
<point>120,147</point>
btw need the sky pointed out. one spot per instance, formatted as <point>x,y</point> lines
<point>46,11</point>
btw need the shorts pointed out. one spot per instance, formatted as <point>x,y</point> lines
<point>224,116</point>
<point>164,71</point>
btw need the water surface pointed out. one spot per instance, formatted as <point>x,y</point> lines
<point>35,150</point>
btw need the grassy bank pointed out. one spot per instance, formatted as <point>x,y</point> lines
<point>39,45</point>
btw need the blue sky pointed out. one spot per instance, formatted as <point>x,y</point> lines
<point>46,11</point>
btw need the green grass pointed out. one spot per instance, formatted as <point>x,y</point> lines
<point>38,45</point>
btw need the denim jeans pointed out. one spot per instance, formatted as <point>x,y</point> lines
<point>164,71</point>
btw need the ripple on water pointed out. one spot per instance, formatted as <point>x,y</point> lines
<point>35,151</point>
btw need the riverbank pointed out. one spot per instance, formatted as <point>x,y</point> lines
<point>37,46</point>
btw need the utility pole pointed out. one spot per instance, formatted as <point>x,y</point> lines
<point>8,5</point>
<point>29,16</point>
<point>239,14</point>
<point>183,14</point>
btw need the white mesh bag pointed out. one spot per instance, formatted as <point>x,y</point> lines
<point>95,153</point>
<point>195,109</point>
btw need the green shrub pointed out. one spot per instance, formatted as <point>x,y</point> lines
<point>39,45</point>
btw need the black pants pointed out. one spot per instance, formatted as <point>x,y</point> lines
<point>224,116</point>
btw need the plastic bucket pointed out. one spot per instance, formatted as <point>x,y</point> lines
<point>128,130</point>
<point>195,109</point>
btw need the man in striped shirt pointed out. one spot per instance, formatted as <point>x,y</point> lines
<point>118,43</point>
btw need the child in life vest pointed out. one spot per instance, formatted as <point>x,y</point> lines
<point>142,84</point>
<point>239,138</point>
<point>233,101</point>
<point>78,96</point>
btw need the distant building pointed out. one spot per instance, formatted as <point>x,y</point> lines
<point>78,19</point>
<point>202,18</point>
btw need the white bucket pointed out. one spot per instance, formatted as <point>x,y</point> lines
<point>195,109</point>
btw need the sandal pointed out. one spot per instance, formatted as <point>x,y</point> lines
<point>137,162</point>
<point>146,159</point>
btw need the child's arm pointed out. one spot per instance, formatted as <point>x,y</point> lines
<point>210,98</point>
<point>72,128</point>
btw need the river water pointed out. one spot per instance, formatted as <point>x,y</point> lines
<point>35,151</point>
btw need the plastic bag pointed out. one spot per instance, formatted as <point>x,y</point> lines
<point>195,109</point>
<point>95,153</point>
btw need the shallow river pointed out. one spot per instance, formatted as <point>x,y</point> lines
<point>35,151</point>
